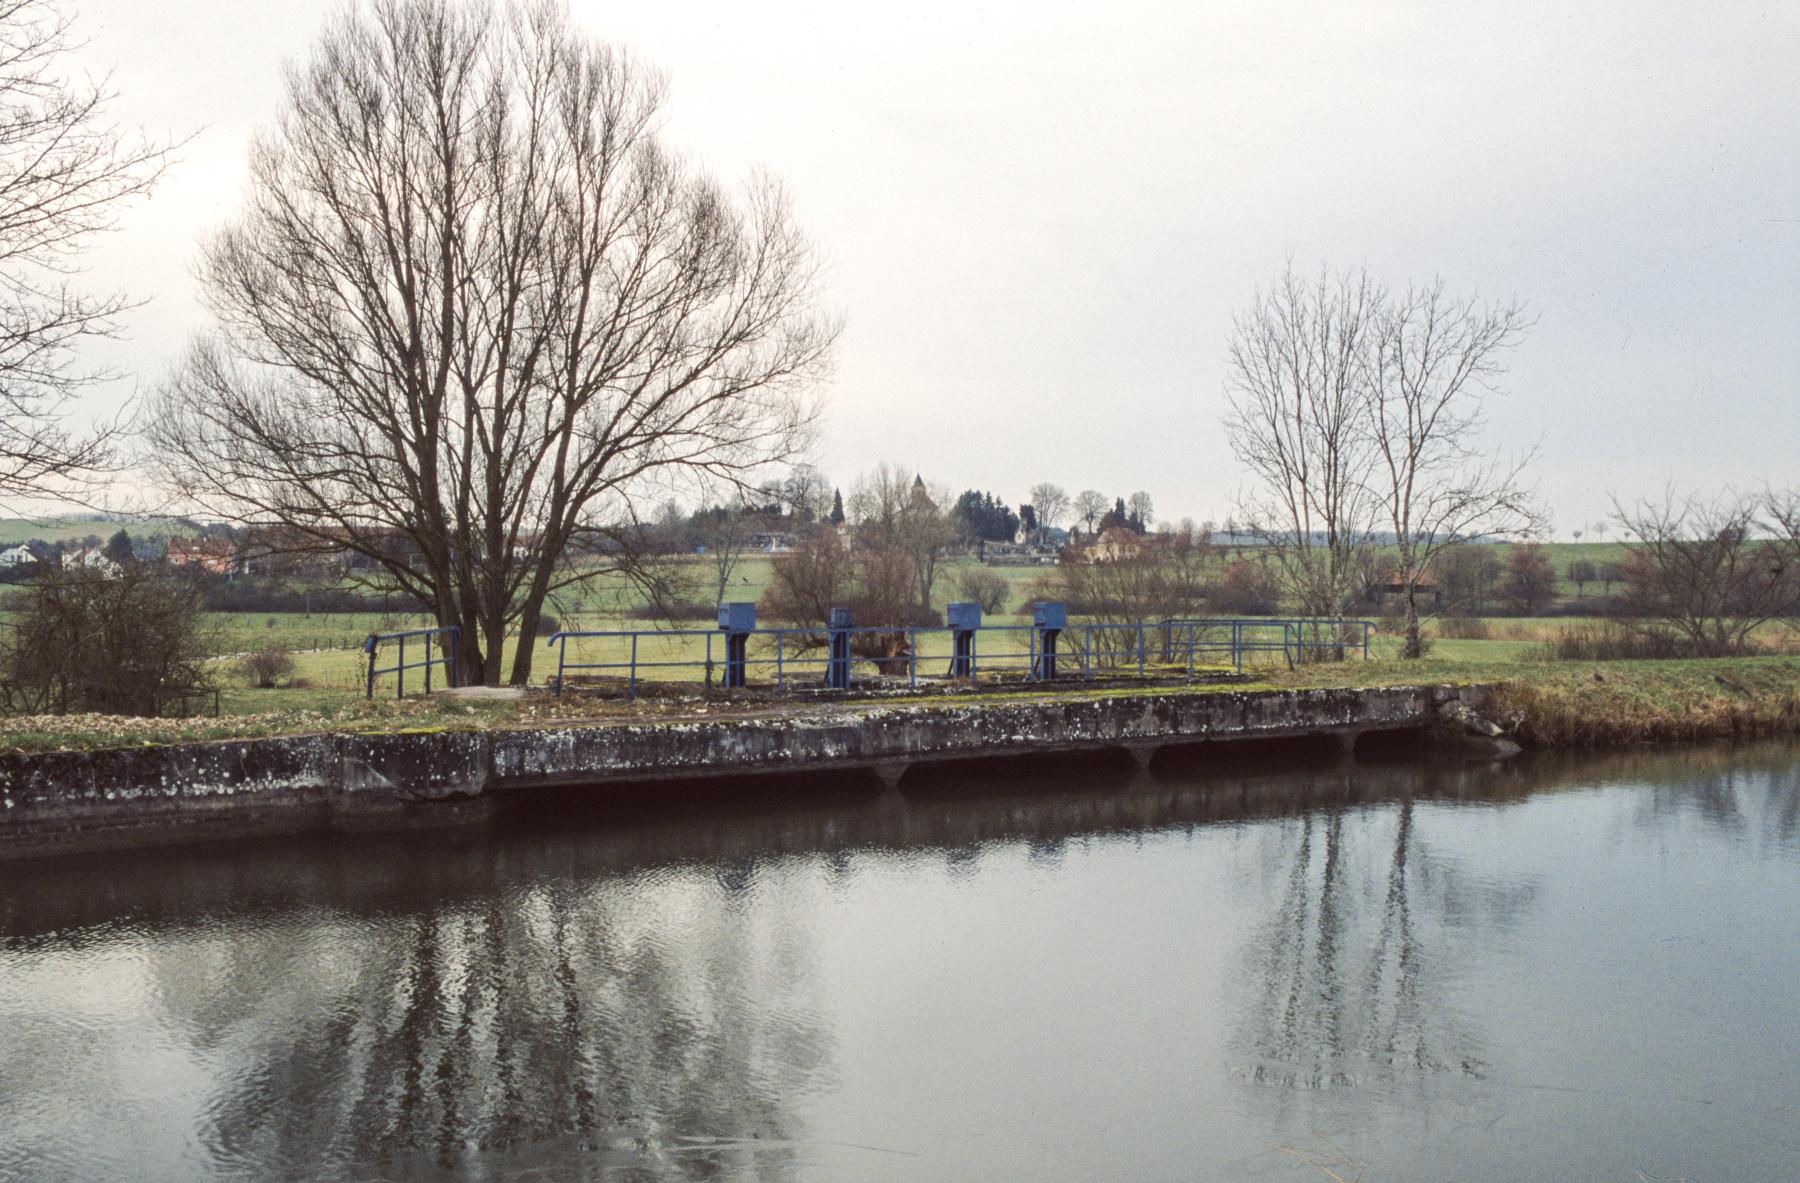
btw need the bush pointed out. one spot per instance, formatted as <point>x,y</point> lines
<point>673,610</point>
<point>548,626</point>
<point>1464,628</point>
<point>127,644</point>
<point>984,588</point>
<point>266,668</point>
<point>1247,588</point>
<point>274,595</point>
<point>1611,641</point>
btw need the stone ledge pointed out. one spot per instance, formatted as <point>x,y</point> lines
<point>65,800</point>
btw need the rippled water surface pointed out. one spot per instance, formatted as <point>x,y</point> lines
<point>1552,970</point>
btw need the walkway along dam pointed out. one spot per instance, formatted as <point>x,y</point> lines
<point>60,801</point>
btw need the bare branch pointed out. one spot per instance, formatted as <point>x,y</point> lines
<point>65,175</point>
<point>472,303</point>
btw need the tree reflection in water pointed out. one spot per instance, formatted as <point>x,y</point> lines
<point>639,994</point>
<point>634,1023</point>
<point>1352,981</point>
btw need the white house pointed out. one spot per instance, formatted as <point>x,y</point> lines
<point>93,559</point>
<point>16,556</point>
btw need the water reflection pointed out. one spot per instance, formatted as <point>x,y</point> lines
<point>681,987</point>
<point>1355,972</point>
<point>640,1022</point>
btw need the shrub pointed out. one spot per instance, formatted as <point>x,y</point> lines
<point>1457,627</point>
<point>1247,588</point>
<point>984,588</point>
<point>125,644</point>
<point>1609,640</point>
<point>673,610</point>
<point>267,667</point>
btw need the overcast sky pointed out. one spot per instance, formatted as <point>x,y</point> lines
<point>1040,218</point>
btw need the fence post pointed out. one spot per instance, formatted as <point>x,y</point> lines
<point>912,658</point>
<point>838,623</point>
<point>429,638</point>
<point>1140,632</point>
<point>780,648</point>
<point>400,672</point>
<point>631,682</point>
<point>369,648</point>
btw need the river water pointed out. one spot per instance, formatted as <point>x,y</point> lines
<point>1266,968</point>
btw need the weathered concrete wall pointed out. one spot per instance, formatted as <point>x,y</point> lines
<point>87,799</point>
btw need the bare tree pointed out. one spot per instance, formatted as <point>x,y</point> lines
<point>65,173</point>
<point>1296,370</point>
<point>473,314</point>
<point>1783,509</point>
<point>1050,503</point>
<point>1140,507</point>
<point>725,531</point>
<point>1090,506</point>
<point>903,541</point>
<point>984,587</point>
<point>805,493</point>
<point>1166,575</point>
<point>1699,571</point>
<point>1433,361</point>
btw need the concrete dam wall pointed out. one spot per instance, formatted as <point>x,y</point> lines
<point>86,800</point>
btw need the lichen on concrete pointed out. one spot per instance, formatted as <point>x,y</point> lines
<point>66,797</point>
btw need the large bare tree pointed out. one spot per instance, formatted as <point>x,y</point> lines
<point>66,171</point>
<point>1699,571</point>
<point>1433,360</point>
<point>1296,368</point>
<point>1090,506</point>
<point>1050,502</point>
<point>473,313</point>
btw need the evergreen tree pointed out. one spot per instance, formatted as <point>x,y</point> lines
<point>837,507</point>
<point>118,548</point>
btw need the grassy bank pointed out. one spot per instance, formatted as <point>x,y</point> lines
<point>1560,705</point>
<point>1611,704</point>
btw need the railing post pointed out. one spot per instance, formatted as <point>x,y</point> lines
<point>1048,618</point>
<point>912,658</point>
<point>963,619</point>
<point>780,637</point>
<point>737,621</point>
<point>631,682</point>
<point>400,672</point>
<point>429,637</point>
<point>838,623</point>
<point>369,648</point>
<point>1140,633</point>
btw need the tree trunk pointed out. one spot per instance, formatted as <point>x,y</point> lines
<point>1413,650</point>
<point>529,617</point>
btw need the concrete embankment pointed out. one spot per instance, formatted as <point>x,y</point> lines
<point>91,799</point>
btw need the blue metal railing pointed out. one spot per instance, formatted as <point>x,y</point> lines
<point>1299,636</point>
<point>443,640</point>
<point>785,655</point>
